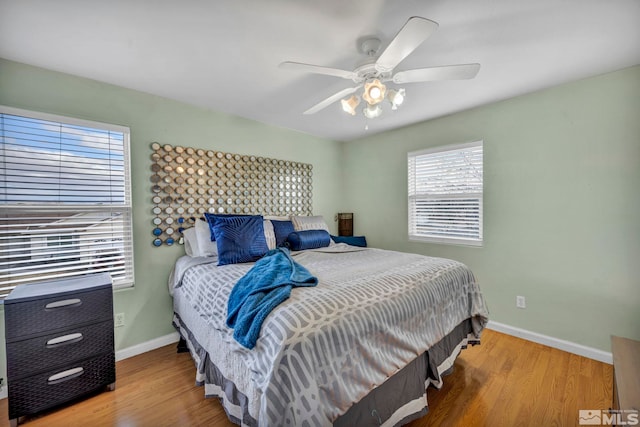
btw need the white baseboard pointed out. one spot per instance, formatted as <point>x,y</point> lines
<point>571,347</point>
<point>134,350</point>
<point>137,349</point>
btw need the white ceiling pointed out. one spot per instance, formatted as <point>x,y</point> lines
<point>224,54</point>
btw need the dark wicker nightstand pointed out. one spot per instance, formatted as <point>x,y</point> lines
<point>60,344</point>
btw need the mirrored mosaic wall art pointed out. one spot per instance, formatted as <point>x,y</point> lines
<point>187,182</point>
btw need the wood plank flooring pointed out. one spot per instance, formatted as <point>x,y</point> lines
<point>506,381</point>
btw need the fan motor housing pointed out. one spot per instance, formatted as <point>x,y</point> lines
<point>370,46</point>
<point>368,71</point>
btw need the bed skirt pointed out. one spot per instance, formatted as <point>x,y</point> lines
<point>399,400</point>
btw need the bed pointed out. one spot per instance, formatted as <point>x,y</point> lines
<point>360,348</point>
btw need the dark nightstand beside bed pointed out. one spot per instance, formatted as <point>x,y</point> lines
<point>60,344</point>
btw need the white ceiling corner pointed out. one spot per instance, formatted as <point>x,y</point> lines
<point>224,54</point>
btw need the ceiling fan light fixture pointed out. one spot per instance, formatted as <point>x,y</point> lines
<point>349,105</point>
<point>372,111</point>
<point>379,67</point>
<point>396,97</point>
<point>374,92</point>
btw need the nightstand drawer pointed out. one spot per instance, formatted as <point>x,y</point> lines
<point>34,317</point>
<point>43,391</point>
<point>59,349</point>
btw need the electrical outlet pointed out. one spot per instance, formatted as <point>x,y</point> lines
<point>1,383</point>
<point>118,320</point>
<point>520,302</point>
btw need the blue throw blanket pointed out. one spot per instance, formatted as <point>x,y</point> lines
<point>266,285</point>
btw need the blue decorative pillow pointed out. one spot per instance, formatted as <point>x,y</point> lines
<point>282,230</point>
<point>239,239</point>
<point>308,239</point>
<point>351,240</point>
<point>211,220</point>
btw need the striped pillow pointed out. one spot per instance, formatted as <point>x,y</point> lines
<point>302,223</point>
<point>269,234</point>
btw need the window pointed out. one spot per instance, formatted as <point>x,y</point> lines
<point>445,194</point>
<point>65,199</point>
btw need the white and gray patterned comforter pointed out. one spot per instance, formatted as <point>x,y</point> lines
<point>326,347</point>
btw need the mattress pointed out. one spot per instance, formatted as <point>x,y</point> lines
<point>326,348</point>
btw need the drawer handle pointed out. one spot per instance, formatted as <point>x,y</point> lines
<point>63,376</point>
<point>64,340</point>
<point>73,302</point>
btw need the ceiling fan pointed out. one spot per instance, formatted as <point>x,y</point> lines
<point>377,70</point>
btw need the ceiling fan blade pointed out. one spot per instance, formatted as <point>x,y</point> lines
<point>414,32</point>
<point>330,100</point>
<point>446,72</point>
<point>317,69</point>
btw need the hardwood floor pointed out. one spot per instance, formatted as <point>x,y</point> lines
<point>506,381</point>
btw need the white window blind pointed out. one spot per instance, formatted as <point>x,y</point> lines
<point>445,194</point>
<point>65,199</point>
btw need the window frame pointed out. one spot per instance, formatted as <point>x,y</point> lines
<point>457,241</point>
<point>126,206</point>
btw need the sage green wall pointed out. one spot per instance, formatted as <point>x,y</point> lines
<point>148,306</point>
<point>561,204</point>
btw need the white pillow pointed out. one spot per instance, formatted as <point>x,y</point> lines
<point>205,246</point>
<point>197,241</point>
<point>302,223</point>
<point>190,241</point>
<point>269,234</point>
